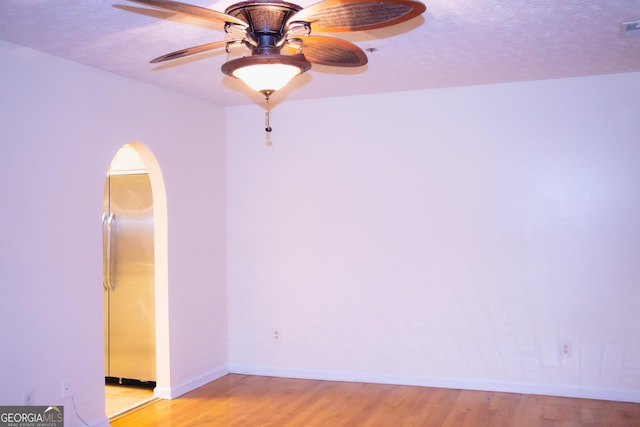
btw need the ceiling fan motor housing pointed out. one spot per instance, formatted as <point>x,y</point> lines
<point>266,22</point>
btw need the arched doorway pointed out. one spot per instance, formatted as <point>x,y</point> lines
<point>134,248</point>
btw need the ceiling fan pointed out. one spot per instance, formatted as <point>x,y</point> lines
<point>279,35</point>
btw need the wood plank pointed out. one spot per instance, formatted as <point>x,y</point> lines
<point>245,400</point>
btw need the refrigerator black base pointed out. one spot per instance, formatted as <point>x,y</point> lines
<point>129,382</point>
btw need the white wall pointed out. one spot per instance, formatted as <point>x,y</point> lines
<point>61,123</point>
<point>447,237</point>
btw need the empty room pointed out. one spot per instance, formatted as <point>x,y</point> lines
<point>435,222</point>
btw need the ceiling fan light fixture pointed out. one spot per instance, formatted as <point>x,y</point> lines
<point>266,73</point>
<point>266,27</point>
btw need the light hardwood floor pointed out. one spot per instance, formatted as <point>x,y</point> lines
<point>120,398</point>
<point>243,400</point>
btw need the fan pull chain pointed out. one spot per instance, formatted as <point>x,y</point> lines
<point>267,125</point>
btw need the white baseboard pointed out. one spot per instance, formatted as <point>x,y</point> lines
<point>172,392</point>
<point>619,395</point>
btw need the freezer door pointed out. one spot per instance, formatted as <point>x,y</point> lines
<point>130,292</point>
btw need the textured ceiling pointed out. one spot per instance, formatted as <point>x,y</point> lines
<point>455,43</point>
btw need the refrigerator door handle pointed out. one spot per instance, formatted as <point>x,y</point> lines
<point>105,265</point>
<point>109,280</point>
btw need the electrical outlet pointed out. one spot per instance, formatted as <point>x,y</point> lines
<point>566,349</point>
<point>66,389</point>
<point>28,398</point>
<point>277,336</point>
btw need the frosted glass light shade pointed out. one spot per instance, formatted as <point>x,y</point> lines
<point>266,73</point>
<point>267,77</point>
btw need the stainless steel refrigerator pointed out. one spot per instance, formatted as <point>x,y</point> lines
<point>128,278</point>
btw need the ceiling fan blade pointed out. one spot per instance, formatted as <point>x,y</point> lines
<point>191,51</point>
<point>330,51</point>
<point>192,10</point>
<point>358,15</point>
